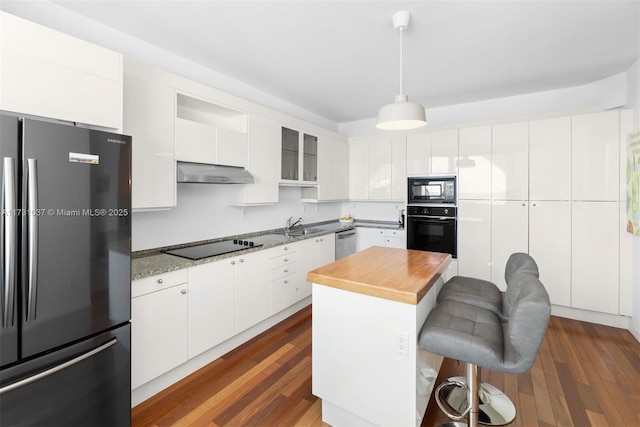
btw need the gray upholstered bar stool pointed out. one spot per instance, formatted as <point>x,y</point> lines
<point>481,339</point>
<point>495,407</point>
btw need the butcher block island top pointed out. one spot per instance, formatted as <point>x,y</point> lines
<point>402,275</point>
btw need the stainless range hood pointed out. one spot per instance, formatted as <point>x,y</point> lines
<point>201,173</point>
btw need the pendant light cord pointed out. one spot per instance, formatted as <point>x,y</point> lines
<point>401,31</point>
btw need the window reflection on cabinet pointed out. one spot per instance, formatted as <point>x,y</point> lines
<point>290,146</point>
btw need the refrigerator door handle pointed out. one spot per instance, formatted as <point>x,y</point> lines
<point>58,368</point>
<point>32,245</point>
<point>9,239</point>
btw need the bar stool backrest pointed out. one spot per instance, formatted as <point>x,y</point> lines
<point>520,262</point>
<point>527,305</point>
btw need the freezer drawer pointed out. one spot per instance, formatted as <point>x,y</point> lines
<point>85,384</point>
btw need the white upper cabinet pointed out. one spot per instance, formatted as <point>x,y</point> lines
<point>595,159</point>
<point>550,159</point>
<point>263,162</point>
<point>444,152</point>
<point>209,133</point>
<point>419,154</point>
<point>333,169</point>
<point>47,73</point>
<point>359,168</point>
<point>299,163</point>
<point>474,163</point>
<point>379,167</point>
<point>149,111</point>
<point>510,161</point>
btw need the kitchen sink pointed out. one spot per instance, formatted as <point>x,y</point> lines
<point>297,232</point>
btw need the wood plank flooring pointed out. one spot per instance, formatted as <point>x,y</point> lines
<point>585,375</point>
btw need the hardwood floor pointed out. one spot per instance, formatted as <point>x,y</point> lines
<point>585,375</point>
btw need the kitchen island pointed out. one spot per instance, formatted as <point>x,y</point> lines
<point>368,309</point>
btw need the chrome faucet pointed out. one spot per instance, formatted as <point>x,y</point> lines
<point>289,225</point>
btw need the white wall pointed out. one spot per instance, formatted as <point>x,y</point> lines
<point>633,95</point>
<point>203,213</point>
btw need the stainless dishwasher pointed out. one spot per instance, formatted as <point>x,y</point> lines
<point>345,243</point>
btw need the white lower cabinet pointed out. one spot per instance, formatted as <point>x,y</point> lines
<point>550,247</point>
<point>211,305</point>
<point>509,234</point>
<point>158,325</point>
<point>284,283</point>
<point>395,239</point>
<point>367,237</point>
<point>594,260</point>
<point>252,289</point>
<point>474,238</point>
<point>314,253</point>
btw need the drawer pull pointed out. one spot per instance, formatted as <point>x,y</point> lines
<point>183,291</point>
<point>160,281</point>
<point>286,271</point>
<point>285,282</point>
<point>241,260</point>
<point>285,248</point>
<point>233,263</point>
<point>285,260</point>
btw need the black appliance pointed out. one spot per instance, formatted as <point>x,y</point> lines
<point>432,229</point>
<point>212,249</point>
<point>432,214</point>
<point>441,189</point>
<point>65,247</point>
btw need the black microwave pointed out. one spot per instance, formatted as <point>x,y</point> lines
<point>429,190</point>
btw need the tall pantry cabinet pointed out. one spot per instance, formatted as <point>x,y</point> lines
<point>553,188</point>
<point>550,204</point>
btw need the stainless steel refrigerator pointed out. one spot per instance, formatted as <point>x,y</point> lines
<point>65,249</point>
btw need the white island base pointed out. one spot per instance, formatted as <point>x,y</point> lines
<point>367,367</point>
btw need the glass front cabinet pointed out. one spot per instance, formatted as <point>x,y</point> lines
<point>299,157</point>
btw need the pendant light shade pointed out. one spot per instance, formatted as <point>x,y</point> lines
<point>401,114</point>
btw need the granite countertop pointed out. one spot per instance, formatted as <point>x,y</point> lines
<point>151,262</point>
<point>395,274</point>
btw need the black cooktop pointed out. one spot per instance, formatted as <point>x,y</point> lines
<point>213,249</point>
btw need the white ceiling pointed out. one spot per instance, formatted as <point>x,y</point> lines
<point>340,59</point>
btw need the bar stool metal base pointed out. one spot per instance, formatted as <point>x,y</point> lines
<point>495,407</point>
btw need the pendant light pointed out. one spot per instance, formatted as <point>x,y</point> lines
<point>402,114</point>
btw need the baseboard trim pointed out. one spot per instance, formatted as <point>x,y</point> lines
<point>613,320</point>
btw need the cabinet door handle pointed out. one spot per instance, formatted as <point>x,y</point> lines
<point>184,291</point>
<point>286,281</point>
<point>285,260</point>
<point>285,248</point>
<point>286,271</point>
<point>233,263</point>
<point>160,281</point>
<point>241,260</point>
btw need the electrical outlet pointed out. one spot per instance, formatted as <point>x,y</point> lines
<point>402,343</point>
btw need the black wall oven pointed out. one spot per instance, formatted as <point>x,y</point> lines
<point>432,215</point>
